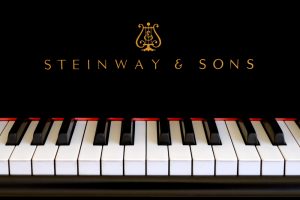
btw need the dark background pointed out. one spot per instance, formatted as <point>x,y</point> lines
<point>32,32</point>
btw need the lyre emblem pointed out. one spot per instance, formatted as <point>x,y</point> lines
<point>148,39</point>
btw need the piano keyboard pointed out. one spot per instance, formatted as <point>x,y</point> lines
<point>150,147</point>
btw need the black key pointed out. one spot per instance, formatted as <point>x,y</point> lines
<point>66,131</point>
<point>127,131</point>
<point>248,132</point>
<point>211,131</point>
<point>274,131</point>
<point>17,131</point>
<point>102,130</point>
<point>163,130</point>
<point>41,132</point>
<point>187,131</point>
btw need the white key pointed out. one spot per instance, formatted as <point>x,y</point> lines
<point>2,126</point>
<point>248,157</point>
<point>272,160</point>
<point>293,127</point>
<point>44,156</point>
<point>66,158</point>
<point>112,153</point>
<point>157,155</point>
<point>135,155</point>
<point>5,150</point>
<point>226,160</point>
<point>20,159</point>
<point>203,156</point>
<point>89,157</point>
<point>180,155</point>
<point>290,151</point>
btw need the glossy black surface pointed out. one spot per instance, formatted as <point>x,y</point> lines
<point>17,131</point>
<point>41,132</point>
<point>66,132</point>
<point>248,132</point>
<point>102,132</point>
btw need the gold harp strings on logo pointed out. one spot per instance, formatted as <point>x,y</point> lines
<point>148,39</point>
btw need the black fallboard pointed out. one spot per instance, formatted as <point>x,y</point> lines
<point>83,34</point>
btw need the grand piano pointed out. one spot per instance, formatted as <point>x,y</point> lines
<point>149,103</point>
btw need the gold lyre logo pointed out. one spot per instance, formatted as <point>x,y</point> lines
<point>148,39</point>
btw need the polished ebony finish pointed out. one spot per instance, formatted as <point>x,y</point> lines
<point>66,132</point>
<point>248,132</point>
<point>274,131</point>
<point>211,132</point>
<point>41,132</point>
<point>163,131</point>
<point>149,186</point>
<point>17,132</point>
<point>187,132</point>
<point>102,130</point>
<point>127,132</point>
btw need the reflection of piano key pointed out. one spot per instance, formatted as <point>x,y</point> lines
<point>146,156</point>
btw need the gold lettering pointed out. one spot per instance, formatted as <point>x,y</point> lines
<point>178,64</point>
<point>155,63</point>
<point>221,62</point>
<point>75,63</point>
<point>61,63</point>
<point>47,64</point>
<point>101,63</point>
<point>120,63</point>
<point>139,64</point>
<point>237,64</point>
<point>88,64</point>
<point>202,62</point>
<point>250,63</point>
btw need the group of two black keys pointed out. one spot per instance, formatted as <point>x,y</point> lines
<point>127,132</point>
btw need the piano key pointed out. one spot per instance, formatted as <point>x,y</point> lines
<point>226,160</point>
<point>248,132</point>
<point>295,130</point>
<point>112,153</point>
<point>290,151</point>
<point>180,155</point>
<point>41,132</point>
<point>43,160</point>
<point>17,131</point>
<point>135,155</point>
<point>248,157</point>
<point>66,157</point>
<point>272,160</point>
<point>6,150</point>
<point>2,126</point>
<point>102,131</point>
<point>274,132</point>
<point>188,135</point>
<point>157,155</point>
<point>89,156</point>
<point>211,132</point>
<point>202,153</point>
<point>66,131</point>
<point>164,137</point>
<point>20,159</point>
<point>127,132</point>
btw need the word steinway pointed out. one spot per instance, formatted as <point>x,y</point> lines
<point>141,64</point>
